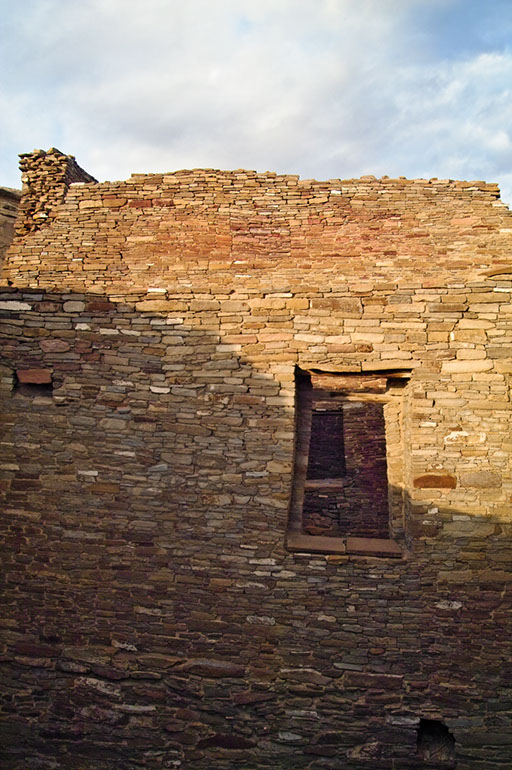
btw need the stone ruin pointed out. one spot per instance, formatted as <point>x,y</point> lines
<point>255,472</point>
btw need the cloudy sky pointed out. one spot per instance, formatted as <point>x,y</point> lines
<point>321,88</point>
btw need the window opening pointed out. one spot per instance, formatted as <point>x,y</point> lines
<point>341,492</point>
<point>346,488</point>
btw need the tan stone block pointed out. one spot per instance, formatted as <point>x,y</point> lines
<point>457,576</point>
<point>481,479</point>
<point>469,528</point>
<point>15,306</point>
<point>464,221</point>
<point>456,367</point>
<point>267,304</point>
<point>113,201</point>
<point>469,335</point>
<point>484,307</point>
<point>160,305</point>
<point>475,323</point>
<point>471,355</point>
<point>73,307</point>
<point>338,304</point>
<point>201,305</point>
<point>368,337</point>
<point>297,304</point>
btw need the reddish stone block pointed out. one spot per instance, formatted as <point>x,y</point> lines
<point>100,306</point>
<point>34,376</point>
<point>435,481</point>
<point>140,204</point>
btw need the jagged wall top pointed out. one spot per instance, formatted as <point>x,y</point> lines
<point>46,177</point>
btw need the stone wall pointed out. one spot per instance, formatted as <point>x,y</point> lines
<point>163,606</point>
<point>9,201</point>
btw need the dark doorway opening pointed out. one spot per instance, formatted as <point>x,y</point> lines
<point>346,485</point>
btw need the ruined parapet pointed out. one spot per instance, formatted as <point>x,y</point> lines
<point>46,177</point>
<point>9,203</point>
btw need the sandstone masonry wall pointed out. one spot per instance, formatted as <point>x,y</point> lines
<point>157,614</point>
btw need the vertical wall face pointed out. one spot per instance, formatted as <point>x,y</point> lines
<point>163,602</point>
<point>9,201</point>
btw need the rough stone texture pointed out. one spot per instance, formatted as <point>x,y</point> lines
<point>153,616</point>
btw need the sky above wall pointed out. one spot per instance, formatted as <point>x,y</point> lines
<point>320,88</point>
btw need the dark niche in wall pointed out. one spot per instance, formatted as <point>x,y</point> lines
<point>33,382</point>
<point>436,744</point>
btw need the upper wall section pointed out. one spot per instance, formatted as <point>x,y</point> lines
<point>9,202</point>
<point>200,230</point>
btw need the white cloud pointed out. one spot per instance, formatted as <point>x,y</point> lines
<point>324,88</point>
